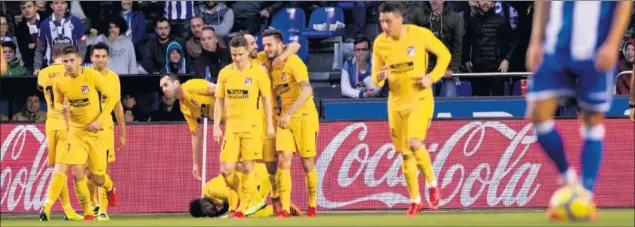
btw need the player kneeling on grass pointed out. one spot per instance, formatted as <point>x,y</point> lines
<point>219,200</point>
<point>240,86</point>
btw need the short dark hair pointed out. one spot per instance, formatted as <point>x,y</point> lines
<point>171,76</point>
<point>100,46</point>
<point>392,7</point>
<point>361,40</point>
<point>119,22</point>
<point>273,32</point>
<point>238,41</point>
<point>8,44</point>
<point>161,20</point>
<point>69,49</point>
<point>197,17</point>
<point>196,210</point>
<point>22,3</point>
<point>58,49</point>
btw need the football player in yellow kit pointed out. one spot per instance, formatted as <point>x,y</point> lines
<point>400,57</point>
<point>81,88</point>
<point>56,128</point>
<point>218,200</point>
<point>99,57</point>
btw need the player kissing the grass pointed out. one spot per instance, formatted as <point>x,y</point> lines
<point>399,57</point>
<point>218,200</point>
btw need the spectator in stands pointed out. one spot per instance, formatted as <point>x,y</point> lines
<point>155,49</point>
<point>136,22</point>
<point>175,59</point>
<point>179,14</point>
<point>487,49</point>
<point>132,111</point>
<point>122,57</point>
<point>43,9</point>
<point>5,35</point>
<point>218,16</point>
<point>212,59</point>
<point>623,81</point>
<point>193,44</point>
<point>31,110</point>
<point>60,27</point>
<point>521,35</point>
<point>355,79</point>
<point>26,32</point>
<point>14,68</point>
<point>360,9</point>
<point>249,15</point>
<point>446,25</point>
<point>168,110</point>
<point>3,118</point>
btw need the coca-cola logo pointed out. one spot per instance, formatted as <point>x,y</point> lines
<point>499,182</point>
<point>27,184</point>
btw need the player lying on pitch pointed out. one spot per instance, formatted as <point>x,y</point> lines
<point>218,200</point>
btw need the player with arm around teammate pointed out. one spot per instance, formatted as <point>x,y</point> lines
<point>81,88</point>
<point>196,97</point>
<point>99,57</point>
<point>573,50</point>
<point>56,129</point>
<point>399,57</point>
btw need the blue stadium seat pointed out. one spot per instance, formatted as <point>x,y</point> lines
<point>259,42</point>
<point>464,89</point>
<point>346,4</point>
<point>289,20</point>
<point>516,88</point>
<point>328,16</point>
<point>303,53</point>
<point>506,91</point>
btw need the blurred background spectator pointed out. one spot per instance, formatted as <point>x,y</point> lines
<point>122,52</point>
<point>175,60</point>
<point>218,16</point>
<point>136,25</point>
<point>14,67</point>
<point>31,110</point>
<point>212,58</point>
<point>179,14</point>
<point>193,44</point>
<point>156,49</point>
<point>168,110</point>
<point>249,15</point>
<point>355,80</point>
<point>26,32</point>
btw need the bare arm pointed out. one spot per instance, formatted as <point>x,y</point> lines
<point>541,16</point>
<point>268,111</point>
<point>307,92</point>
<point>621,18</point>
<point>218,111</point>
<point>211,89</point>
<point>119,115</point>
<point>196,144</point>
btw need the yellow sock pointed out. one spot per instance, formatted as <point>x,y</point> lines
<point>264,190</point>
<point>274,186</point>
<point>83,196</point>
<point>425,165</point>
<point>284,188</point>
<point>92,188</point>
<point>108,184</point>
<point>65,199</point>
<point>57,182</point>
<point>247,189</point>
<point>311,187</point>
<point>409,168</point>
<point>103,200</point>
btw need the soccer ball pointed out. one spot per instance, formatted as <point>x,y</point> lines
<point>571,203</point>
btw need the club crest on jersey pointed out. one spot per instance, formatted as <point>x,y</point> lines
<point>84,89</point>
<point>283,76</point>
<point>247,81</point>
<point>411,51</point>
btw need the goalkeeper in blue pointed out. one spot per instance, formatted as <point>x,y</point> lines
<point>573,50</point>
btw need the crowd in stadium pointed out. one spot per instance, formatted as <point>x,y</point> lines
<point>156,37</point>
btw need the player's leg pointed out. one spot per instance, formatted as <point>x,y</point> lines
<point>550,82</point>
<point>285,146</point>
<point>595,94</point>
<point>229,156</point>
<point>419,121</point>
<point>69,212</point>
<point>98,164</point>
<point>60,171</point>
<point>250,151</point>
<point>271,162</point>
<point>398,134</point>
<point>305,132</point>
<point>108,139</point>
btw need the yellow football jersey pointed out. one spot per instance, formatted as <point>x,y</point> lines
<point>83,94</point>
<point>112,82</point>
<point>242,92</point>
<point>46,79</point>
<point>263,61</point>
<point>286,82</point>
<point>407,59</point>
<point>196,102</point>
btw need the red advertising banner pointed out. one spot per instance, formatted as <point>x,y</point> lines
<point>478,164</point>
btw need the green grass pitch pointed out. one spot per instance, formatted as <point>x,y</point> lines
<point>623,217</point>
